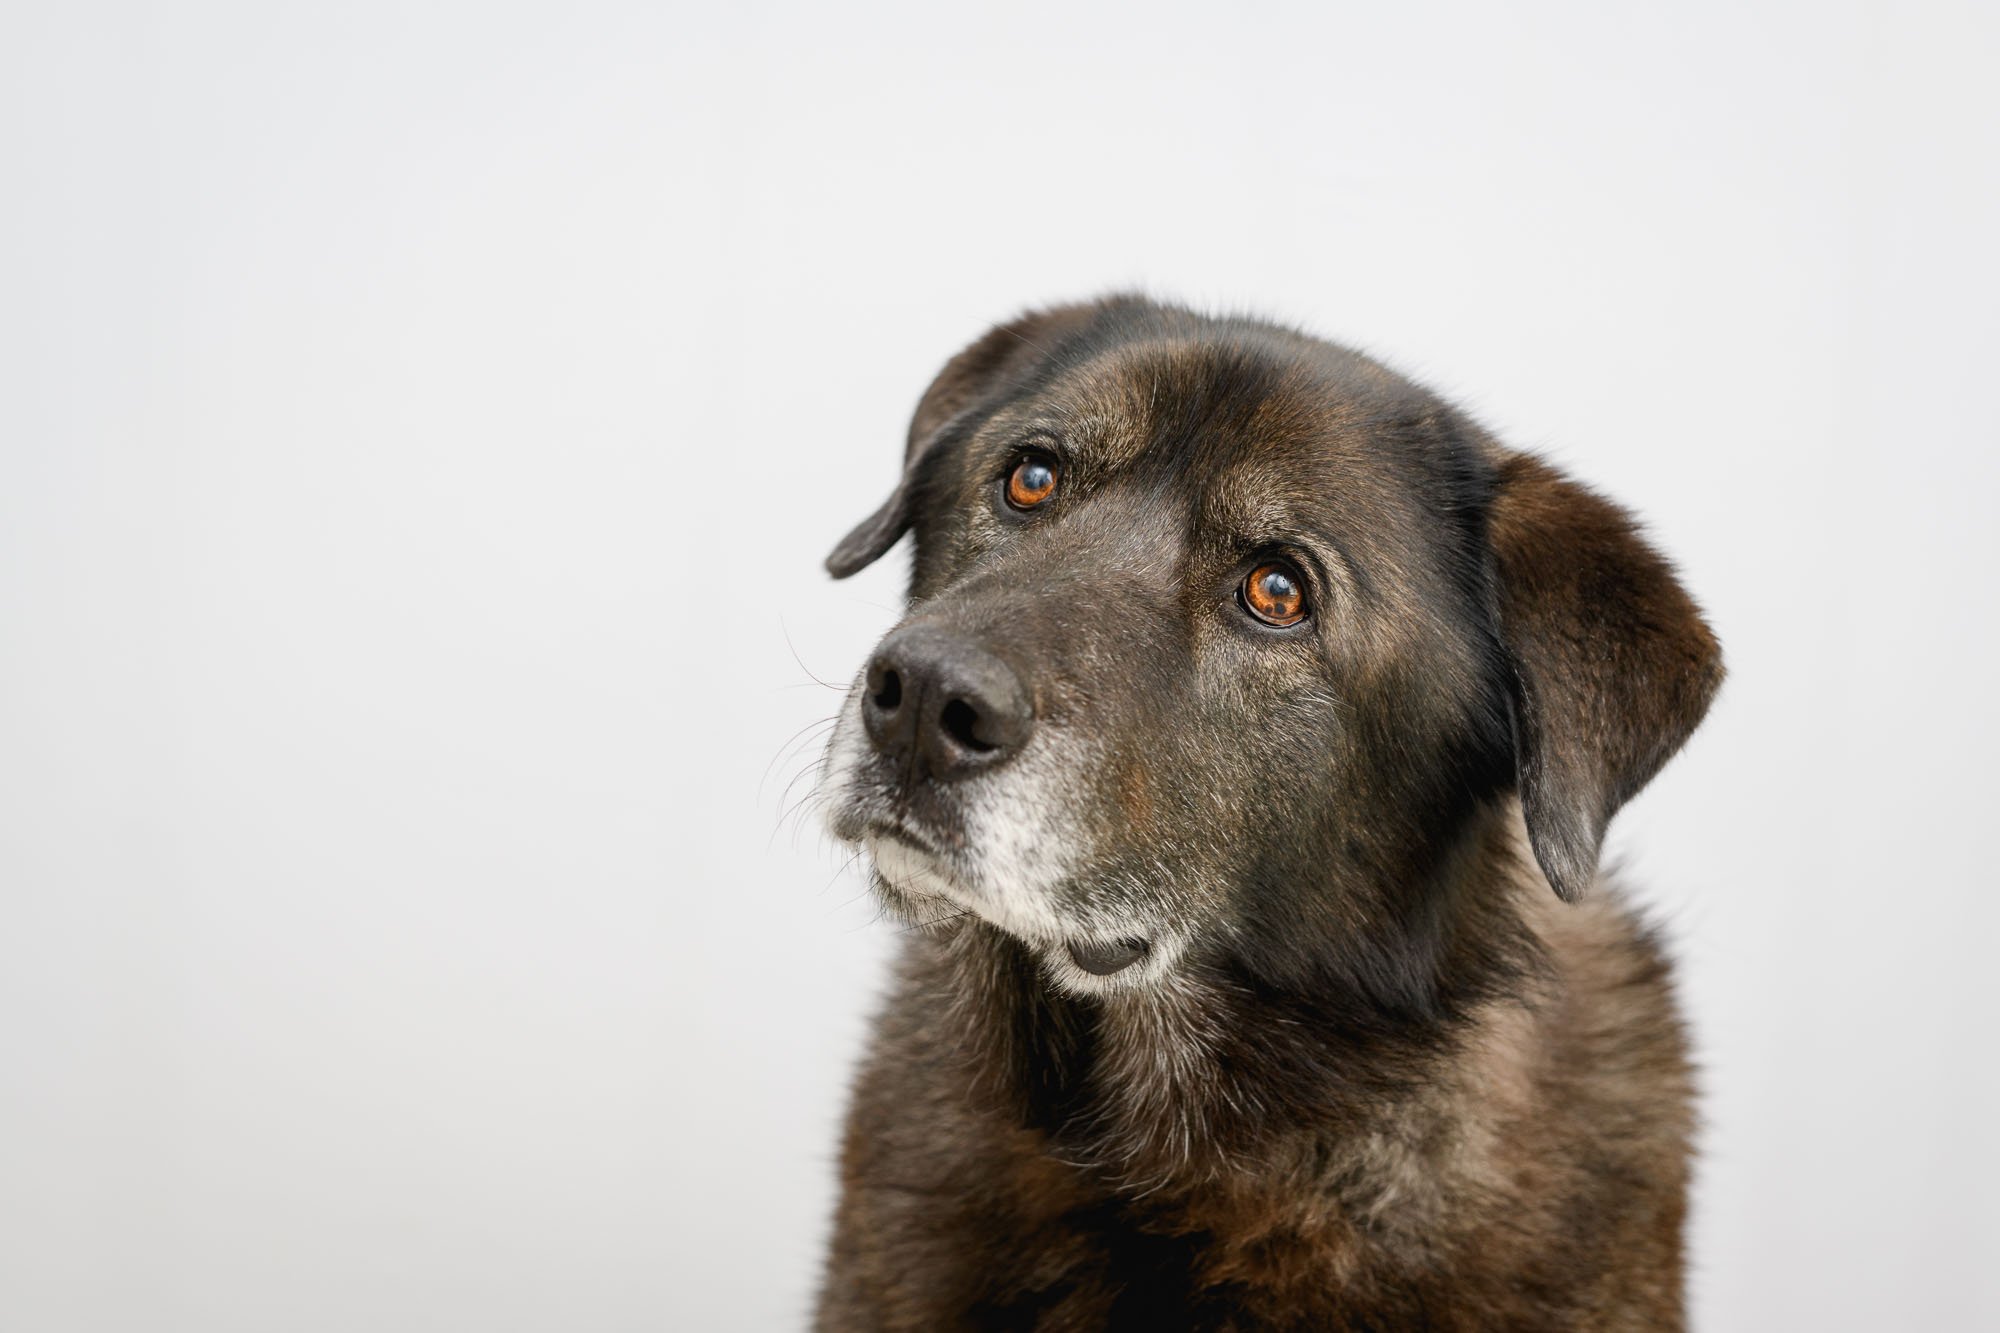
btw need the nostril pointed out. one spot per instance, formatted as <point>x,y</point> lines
<point>961,723</point>
<point>939,707</point>
<point>889,693</point>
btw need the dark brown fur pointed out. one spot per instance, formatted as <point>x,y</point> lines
<point>1392,1081</point>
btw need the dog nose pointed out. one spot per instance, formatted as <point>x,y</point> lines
<point>935,699</point>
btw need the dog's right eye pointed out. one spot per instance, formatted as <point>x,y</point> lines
<point>1275,594</point>
<point>1032,481</point>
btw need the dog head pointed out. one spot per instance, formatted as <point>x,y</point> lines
<point>1224,641</point>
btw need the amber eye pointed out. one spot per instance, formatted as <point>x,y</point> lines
<point>1032,481</point>
<point>1274,594</point>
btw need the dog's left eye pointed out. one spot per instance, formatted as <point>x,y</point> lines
<point>1032,481</point>
<point>1274,593</point>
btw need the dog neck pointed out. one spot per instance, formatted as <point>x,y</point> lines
<point>1216,1079</point>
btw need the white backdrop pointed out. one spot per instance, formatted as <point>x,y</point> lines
<point>422,426</point>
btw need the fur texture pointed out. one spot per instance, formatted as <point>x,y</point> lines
<point>1370,1071</point>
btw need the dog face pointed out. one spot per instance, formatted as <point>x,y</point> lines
<point>1223,641</point>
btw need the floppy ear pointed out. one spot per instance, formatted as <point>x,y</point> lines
<point>1613,661</point>
<point>966,386</point>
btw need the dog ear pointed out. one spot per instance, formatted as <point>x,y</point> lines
<point>1614,665</point>
<point>966,386</point>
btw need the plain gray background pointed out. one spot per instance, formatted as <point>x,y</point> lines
<point>422,426</point>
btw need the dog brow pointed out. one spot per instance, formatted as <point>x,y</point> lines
<point>1254,512</point>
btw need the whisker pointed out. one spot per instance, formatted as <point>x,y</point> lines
<point>810,768</point>
<point>792,808</point>
<point>807,730</point>
<point>794,819</point>
<point>789,647</point>
<point>845,866</point>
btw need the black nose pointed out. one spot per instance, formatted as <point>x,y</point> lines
<point>940,703</point>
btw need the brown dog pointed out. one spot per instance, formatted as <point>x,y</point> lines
<point>1250,704</point>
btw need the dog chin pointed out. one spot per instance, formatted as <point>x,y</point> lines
<point>1082,960</point>
<point>922,876</point>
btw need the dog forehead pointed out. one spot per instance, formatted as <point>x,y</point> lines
<point>1261,440</point>
<point>1207,404</point>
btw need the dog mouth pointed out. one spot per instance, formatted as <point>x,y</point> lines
<point>909,863</point>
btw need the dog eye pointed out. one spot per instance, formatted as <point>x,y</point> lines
<point>1032,481</point>
<point>1274,594</point>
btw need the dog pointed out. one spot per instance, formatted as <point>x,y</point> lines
<point>1239,771</point>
